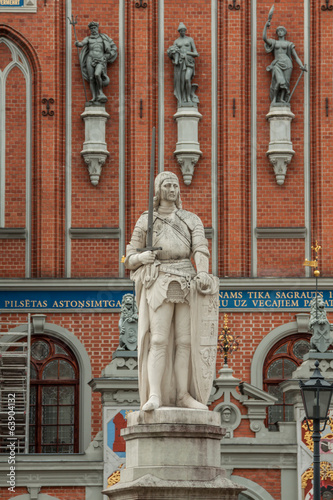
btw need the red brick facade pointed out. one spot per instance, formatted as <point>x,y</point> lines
<point>41,37</point>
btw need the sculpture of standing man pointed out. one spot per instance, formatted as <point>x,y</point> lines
<point>183,53</point>
<point>98,50</point>
<point>282,65</point>
<point>178,305</point>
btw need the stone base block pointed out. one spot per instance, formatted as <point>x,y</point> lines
<point>173,453</point>
<point>150,487</point>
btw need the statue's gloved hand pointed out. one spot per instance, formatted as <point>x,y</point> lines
<point>204,282</point>
<point>147,257</point>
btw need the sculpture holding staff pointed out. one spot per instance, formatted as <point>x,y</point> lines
<point>183,53</point>
<point>98,50</point>
<point>282,66</point>
<point>178,304</point>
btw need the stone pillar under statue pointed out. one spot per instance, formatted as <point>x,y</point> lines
<point>173,454</point>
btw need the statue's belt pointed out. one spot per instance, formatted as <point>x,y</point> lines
<point>164,268</point>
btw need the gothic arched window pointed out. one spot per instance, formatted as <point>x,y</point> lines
<point>54,397</point>
<point>15,158</point>
<point>279,365</point>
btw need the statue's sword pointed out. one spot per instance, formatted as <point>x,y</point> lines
<point>300,76</point>
<point>149,245</point>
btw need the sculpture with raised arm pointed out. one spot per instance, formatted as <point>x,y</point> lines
<point>282,66</point>
<point>178,304</point>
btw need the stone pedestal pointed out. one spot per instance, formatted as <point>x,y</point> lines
<point>173,454</point>
<point>188,147</point>
<point>280,150</point>
<point>94,147</point>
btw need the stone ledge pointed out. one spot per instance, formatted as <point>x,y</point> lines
<point>183,416</point>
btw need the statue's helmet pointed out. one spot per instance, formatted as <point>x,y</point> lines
<point>160,178</point>
<point>182,27</point>
<point>92,24</point>
<point>281,28</point>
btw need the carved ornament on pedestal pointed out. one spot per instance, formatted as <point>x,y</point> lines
<point>188,147</point>
<point>95,150</point>
<point>280,149</point>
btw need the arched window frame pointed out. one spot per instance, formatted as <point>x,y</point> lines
<point>272,357</point>
<point>19,61</point>
<point>272,338</point>
<point>85,374</point>
<point>39,382</point>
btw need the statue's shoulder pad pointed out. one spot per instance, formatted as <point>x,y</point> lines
<point>189,218</point>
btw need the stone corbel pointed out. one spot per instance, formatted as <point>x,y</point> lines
<point>38,322</point>
<point>95,150</point>
<point>33,492</point>
<point>280,150</point>
<point>187,147</point>
<point>256,402</point>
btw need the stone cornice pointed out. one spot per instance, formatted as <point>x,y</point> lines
<point>127,284</point>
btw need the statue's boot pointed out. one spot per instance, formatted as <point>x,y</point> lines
<point>156,366</point>
<point>152,404</point>
<point>102,98</point>
<point>182,362</point>
<point>188,402</point>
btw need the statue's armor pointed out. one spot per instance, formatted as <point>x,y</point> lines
<point>181,235</point>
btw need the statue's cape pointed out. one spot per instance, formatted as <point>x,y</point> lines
<point>110,50</point>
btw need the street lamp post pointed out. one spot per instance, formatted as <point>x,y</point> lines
<point>316,395</point>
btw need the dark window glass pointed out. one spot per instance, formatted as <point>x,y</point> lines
<point>53,398</point>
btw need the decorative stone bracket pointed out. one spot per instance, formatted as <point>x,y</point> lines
<point>95,150</point>
<point>188,147</point>
<point>256,402</point>
<point>280,150</point>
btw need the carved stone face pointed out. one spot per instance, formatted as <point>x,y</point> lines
<point>94,30</point>
<point>169,190</point>
<point>182,31</point>
<point>226,415</point>
<point>281,32</point>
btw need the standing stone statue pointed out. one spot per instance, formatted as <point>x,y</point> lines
<point>98,51</point>
<point>282,65</point>
<point>128,324</point>
<point>319,325</point>
<point>178,305</point>
<point>183,53</point>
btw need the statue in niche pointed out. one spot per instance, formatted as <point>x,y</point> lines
<point>183,53</point>
<point>128,324</point>
<point>176,361</point>
<point>98,50</point>
<point>282,66</point>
